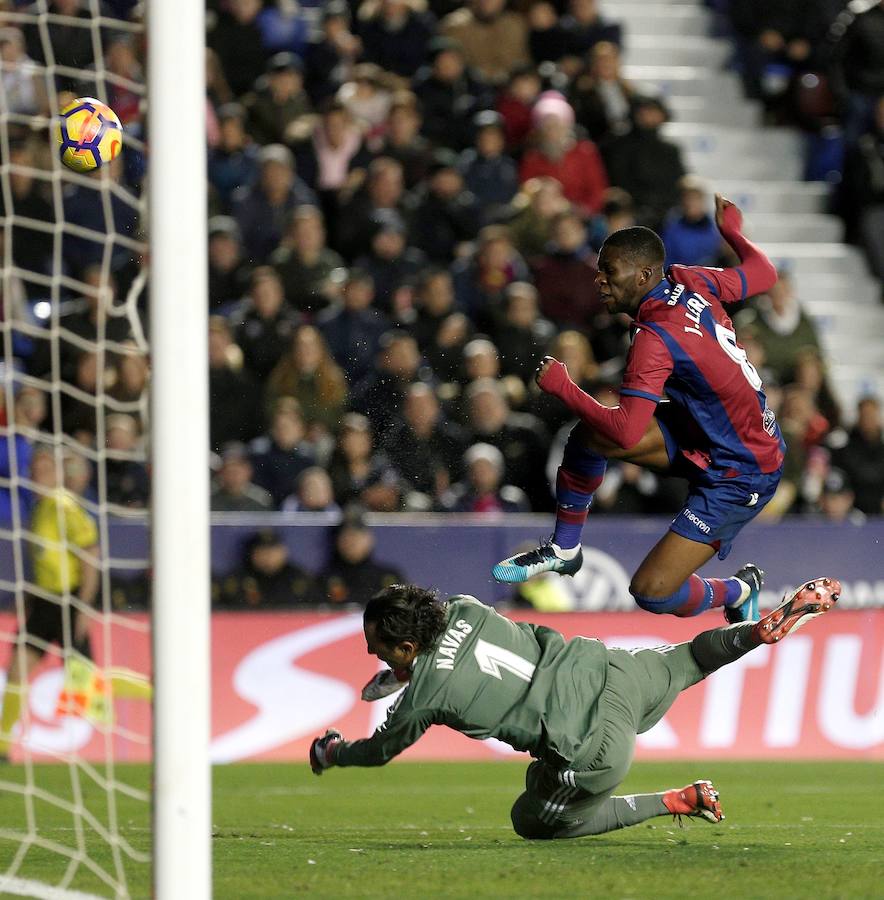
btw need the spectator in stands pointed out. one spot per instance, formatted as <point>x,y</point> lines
<point>237,40</point>
<point>481,279</point>
<point>127,481</point>
<point>645,164</point>
<point>309,373</point>
<point>228,270</point>
<point>522,334</point>
<point>565,274</point>
<point>689,233</point>
<point>313,493</point>
<point>863,192</point>
<point>425,447</point>
<point>494,40</point>
<point>836,503</point>
<point>575,351</point>
<point>490,175</point>
<point>79,476</point>
<point>556,151</point>
<point>398,365</point>
<point>546,39</point>
<point>263,209</point>
<point>618,211</point>
<point>352,328</point>
<point>392,265</point>
<point>72,46</point>
<point>441,332</point>
<point>234,397</point>
<point>515,102</point>
<point>857,71</point>
<point>533,209</point>
<point>78,415</point>
<point>265,326</point>
<point>403,141</point>
<point>279,102</point>
<point>217,89</point>
<point>520,437</point>
<point>306,265</point>
<point>782,327</point>
<point>280,456</point>
<point>772,38</point>
<point>234,490</point>
<point>22,84</point>
<point>330,59</point>
<point>384,190</point>
<point>444,214</point>
<point>233,162</point>
<point>353,575</point>
<point>449,95</point>
<point>810,373</point>
<point>129,380</point>
<point>333,159</point>
<point>395,35</point>
<point>267,578</point>
<point>15,462</point>
<point>31,248</point>
<point>124,68</point>
<point>481,360</point>
<point>862,457</point>
<point>368,94</point>
<point>285,27</point>
<point>361,474</point>
<point>601,96</point>
<point>585,27</point>
<point>87,317</point>
<point>482,490</point>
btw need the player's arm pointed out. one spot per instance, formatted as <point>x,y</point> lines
<point>755,274</point>
<point>403,727</point>
<point>647,368</point>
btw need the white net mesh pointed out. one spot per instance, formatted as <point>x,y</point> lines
<point>73,476</point>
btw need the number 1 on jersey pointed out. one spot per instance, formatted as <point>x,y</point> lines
<point>492,658</point>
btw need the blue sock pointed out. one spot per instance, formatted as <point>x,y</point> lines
<point>577,480</point>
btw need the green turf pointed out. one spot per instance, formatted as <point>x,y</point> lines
<point>442,830</point>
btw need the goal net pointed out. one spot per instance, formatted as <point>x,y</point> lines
<point>75,729</point>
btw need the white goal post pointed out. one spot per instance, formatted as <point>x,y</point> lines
<point>180,441</point>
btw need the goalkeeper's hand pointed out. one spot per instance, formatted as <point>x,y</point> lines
<point>385,683</point>
<point>323,751</point>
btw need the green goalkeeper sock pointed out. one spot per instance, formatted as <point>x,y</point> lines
<point>720,646</point>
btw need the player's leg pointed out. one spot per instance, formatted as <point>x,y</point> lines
<point>14,694</point>
<point>583,467</point>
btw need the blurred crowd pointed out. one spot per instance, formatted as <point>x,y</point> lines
<point>407,198</point>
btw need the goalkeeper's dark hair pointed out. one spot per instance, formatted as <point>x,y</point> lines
<point>641,244</point>
<point>406,612</point>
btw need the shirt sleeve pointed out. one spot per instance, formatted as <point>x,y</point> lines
<point>755,274</point>
<point>647,368</point>
<point>81,529</point>
<point>403,727</point>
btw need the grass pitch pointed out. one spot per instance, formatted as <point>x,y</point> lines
<point>442,830</point>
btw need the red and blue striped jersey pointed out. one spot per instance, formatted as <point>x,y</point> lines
<point>684,346</point>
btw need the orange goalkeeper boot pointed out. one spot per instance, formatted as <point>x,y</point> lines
<point>812,599</point>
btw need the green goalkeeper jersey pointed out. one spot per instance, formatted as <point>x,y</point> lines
<point>490,677</point>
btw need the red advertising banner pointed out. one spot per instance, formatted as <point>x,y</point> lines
<point>280,679</point>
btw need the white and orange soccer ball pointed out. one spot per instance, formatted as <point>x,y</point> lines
<point>89,134</point>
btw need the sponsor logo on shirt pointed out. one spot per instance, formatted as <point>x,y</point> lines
<point>694,519</point>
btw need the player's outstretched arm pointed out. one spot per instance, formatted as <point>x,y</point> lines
<point>624,424</point>
<point>755,274</point>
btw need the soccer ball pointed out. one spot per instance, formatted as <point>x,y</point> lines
<point>89,134</point>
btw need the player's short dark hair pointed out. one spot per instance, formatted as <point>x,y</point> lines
<point>641,244</point>
<point>406,612</point>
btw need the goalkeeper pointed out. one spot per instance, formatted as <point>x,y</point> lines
<point>65,561</point>
<point>575,705</point>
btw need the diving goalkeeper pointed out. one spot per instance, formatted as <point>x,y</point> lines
<point>575,706</point>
